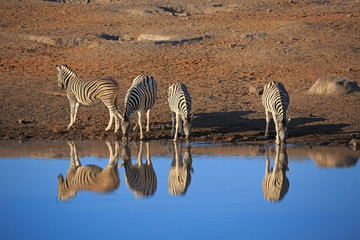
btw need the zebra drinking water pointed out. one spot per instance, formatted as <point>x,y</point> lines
<point>180,106</point>
<point>89,92</point>
<point>140,97</point>
<point>276,100</point>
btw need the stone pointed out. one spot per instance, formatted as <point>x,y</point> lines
<point>256,90</point>
<point>334,86</point>
<point>355,142</point>
<point>159,38</point>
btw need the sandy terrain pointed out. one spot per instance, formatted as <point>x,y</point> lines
<point>218,48</point>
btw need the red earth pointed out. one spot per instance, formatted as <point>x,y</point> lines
<point>217,48</point>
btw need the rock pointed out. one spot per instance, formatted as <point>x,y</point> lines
<point>159,38</point>
<point>355,142</point>
<point>256,90</point>
<point>334,86</point>
<point>55,41</point>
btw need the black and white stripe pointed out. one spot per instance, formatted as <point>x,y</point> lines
<point>180,106</point>
<point>89,92</point>
<point>275,183</point>
<point>89,177</point>
<point>179,177</point>
<point>140,178</point>
<point>140,97</point>
<point>276,101</point>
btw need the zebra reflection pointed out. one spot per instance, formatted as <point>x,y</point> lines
<point>179,175</point>
<point>140,178</point>
<point>89,177</point>
<point>275,183</point>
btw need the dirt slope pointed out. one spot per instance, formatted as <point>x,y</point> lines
<point>218,48</point>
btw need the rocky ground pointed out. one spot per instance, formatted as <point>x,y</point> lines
<point>219,49</point>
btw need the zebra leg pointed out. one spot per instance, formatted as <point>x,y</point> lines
<point>181,127</point>
<point>110,121</point>
<point>74,162</point>
<point>148,156</point>
<point>116,115</point>
<point>267,125</point>
<point>72,112</point>
<point>148,120</point>
<point>114,155</point>
<point>173,120</point>
<point>277,141</point>
<point>140,125</point>
<point>136,122</point>
<point>76,110</point>
<point>178,119</point>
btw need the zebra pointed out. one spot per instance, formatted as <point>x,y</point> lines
<point>89,92</point>
<point>276,100</point>
<point>179,177</point>
<point>89,177</point>
<point>180,106</point>
<point>140,178</point>
<point>140,97</point>
<point>275,184</point>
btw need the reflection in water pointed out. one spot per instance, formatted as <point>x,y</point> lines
<point>179,175</point>
<point>89,177</point>
<point>140,178</point>
<point>334,157</point>
<point>275,183</point>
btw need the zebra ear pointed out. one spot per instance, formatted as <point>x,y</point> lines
<point>58,68</point>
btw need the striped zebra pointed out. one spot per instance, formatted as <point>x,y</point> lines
<point>275,184</point>
<point>179,177</point>
<point>140,97</point>
<point>180,106</point>
<point>89,92</point>
<point>276,101</point>
<point>89,177</point>
<point>140,178</point>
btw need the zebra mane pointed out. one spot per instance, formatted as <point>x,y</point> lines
<point>66,69</point>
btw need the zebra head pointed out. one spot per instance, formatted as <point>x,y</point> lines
<point>125,126</point>
<point>64,74</point>
<point>64,190</point>
<point>125,154</point>
<point>283,129</point>
<point>187,125</point>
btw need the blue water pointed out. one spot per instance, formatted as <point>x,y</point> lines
<point>223,201</point>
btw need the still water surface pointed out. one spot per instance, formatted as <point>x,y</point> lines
<point>161,190</point>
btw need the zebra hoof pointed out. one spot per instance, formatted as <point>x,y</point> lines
<point>266,137</point>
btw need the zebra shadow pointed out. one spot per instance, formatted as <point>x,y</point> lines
<point>140,178</point>
<point>89,177</point>
<point>275,183</point>
<point>226,122</point>
<point>179,177</point>
<point>313,126</point>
